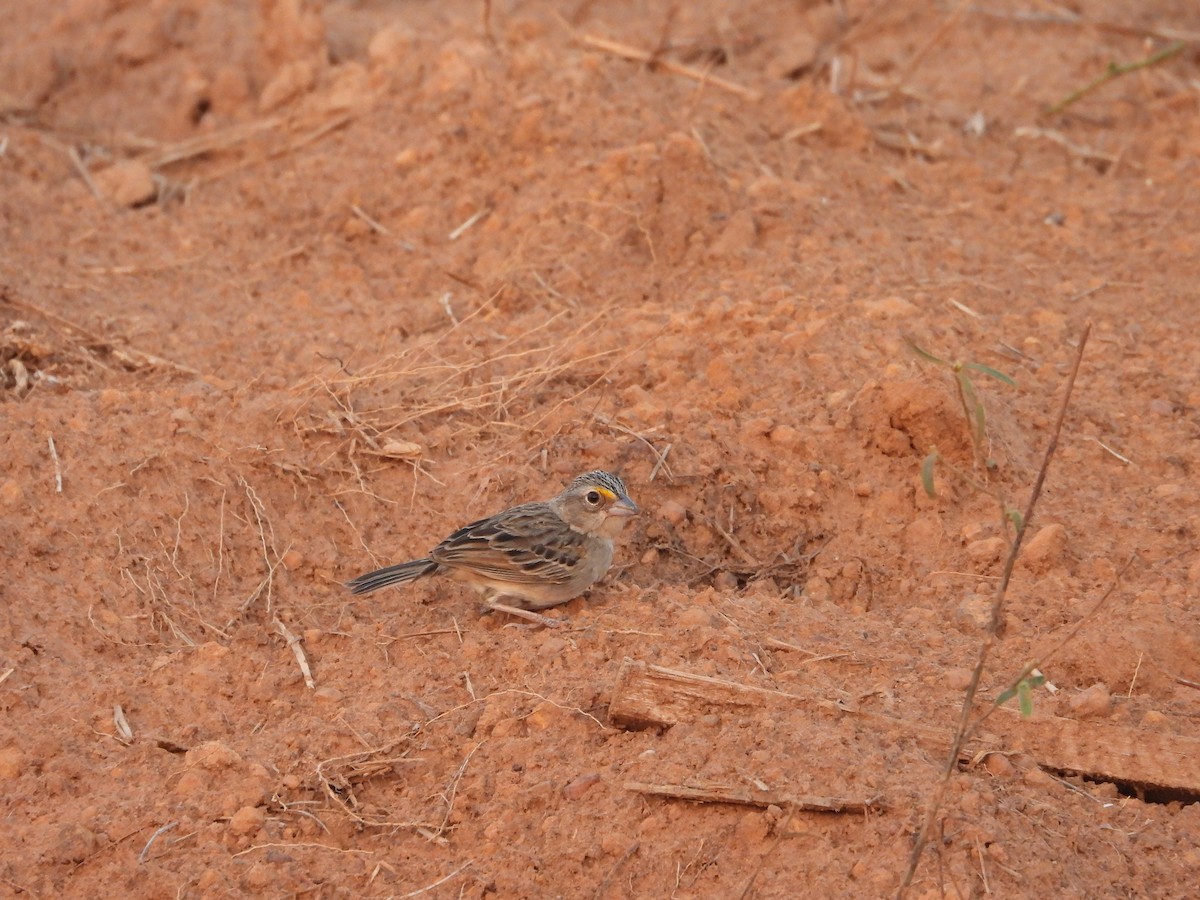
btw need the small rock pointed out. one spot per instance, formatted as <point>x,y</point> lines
<point>248,820</point>
<point>389,46</point>
<point>1046,548</point>
<point>292,560</point>
<point>580,785</point>
<point>786,436</point>
<point>1093,702</point>
<point>998,764</point>
<point>673,512</point>
<point>1037,778</point>
<point>1193,570</point>
<point>974,613</point>
<point>757,427</point>
<point>328,694</point>
<point>613,844</point>
<point>292,80</point>
<point>545,715</point>
<point>12,762</point>
<point>694,616</point>
<point>75,844</point>
<point>957,679</point>
<point>212,755</point>
<point>126,183</point>
<point>190,784</point>
<point>888,308</point>
<point>987,550</point>
<point>11,493</point>
<point>752,828</point>
<point>725,582</point>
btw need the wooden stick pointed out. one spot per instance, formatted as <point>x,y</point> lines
<point>298,652</point>
<point>711,792</point>
<point>633,53</point>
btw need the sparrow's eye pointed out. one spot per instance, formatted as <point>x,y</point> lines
<point>593,498</point>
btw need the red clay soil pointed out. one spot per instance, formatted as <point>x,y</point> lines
<point>290,290</point>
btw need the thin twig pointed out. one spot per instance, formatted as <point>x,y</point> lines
<point>934,39</point>
<point>442,880</point>
<point>315,846</point>
<point>454,789</point>
<point>633,53</point>
<point>298,652</point>
<point>370,223</point>
<point>1116,70</point>
<point>995,627</point>
<point>82,169</point>
<point>57,466</point>
<point>629,851</point>
<point>153,838</point>
<point>465,226</point>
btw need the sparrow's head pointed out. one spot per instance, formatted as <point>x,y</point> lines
<point>596,503</point>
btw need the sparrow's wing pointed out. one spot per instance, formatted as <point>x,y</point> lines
<point>527,544</point>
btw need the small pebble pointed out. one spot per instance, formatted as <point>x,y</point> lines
<point>248,820</point>
<point>1046,548</point>
<point>673,512</point>
<point>1094,702</point>
<point>580,785</point>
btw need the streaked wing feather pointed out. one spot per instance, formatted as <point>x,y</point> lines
<point>525,545</point>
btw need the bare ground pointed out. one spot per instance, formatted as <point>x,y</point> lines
<point>290,290</point>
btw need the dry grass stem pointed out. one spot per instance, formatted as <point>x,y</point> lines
<point>452,790</point>
<point>129,356</point>
<point>302,844</point>
<point>146,850</point>
<point>57,465</point>
<point>86,176</point>
<point>1049,134</point>
<point>121,723</point>
<point>951,22</point>
<point>624,51</point>
<point>439,882</point>
<point>371,223</point>
<point>616,867</point>
<point>468,224</point>
<point>1112,452</point>
<point>298,650</point>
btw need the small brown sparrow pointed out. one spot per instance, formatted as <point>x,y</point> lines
<point>536,555</point>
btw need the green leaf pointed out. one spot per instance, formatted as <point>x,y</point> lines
<point>973,407</point>
<point>927,474</point>
<point>925,354</point>
<point>989,371</point>
<point>1014,516</point>
<point>1025,698</point>
<point>1005,696</point>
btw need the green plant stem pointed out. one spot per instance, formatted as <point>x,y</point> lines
<point>995,627</point>
<point>1116,70</point>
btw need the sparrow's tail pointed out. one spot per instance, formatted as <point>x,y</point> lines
<point>399,574</point>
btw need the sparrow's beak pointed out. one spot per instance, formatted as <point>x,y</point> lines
<point>624,507</point>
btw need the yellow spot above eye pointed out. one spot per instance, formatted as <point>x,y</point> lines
<point>606,494</point>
